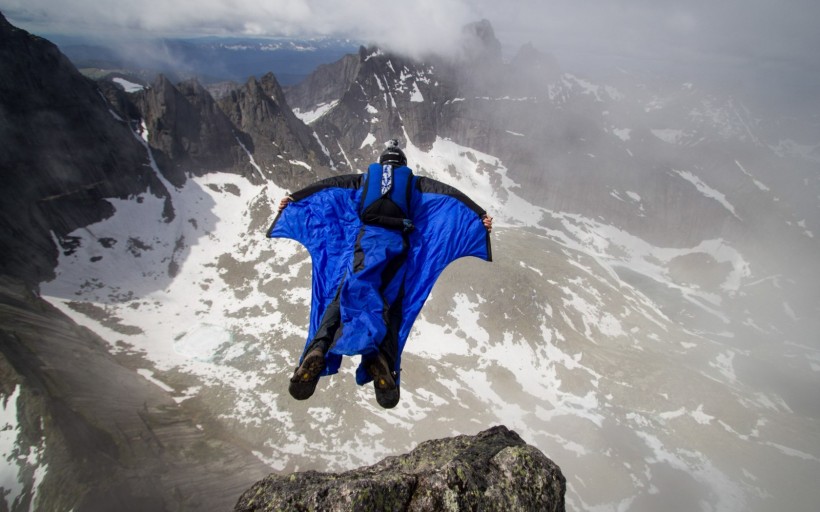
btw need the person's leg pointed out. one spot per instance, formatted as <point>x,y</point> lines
<point>306,377</point>
<point>384,379</point>
<point>312,363</point>
<point>328,328</point>
<point>382,367</point>
<point>363,305</point>
<point>389,346</point>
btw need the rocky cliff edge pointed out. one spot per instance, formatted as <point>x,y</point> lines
<point>494,470</point>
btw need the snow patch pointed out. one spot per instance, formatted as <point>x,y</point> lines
<point>127,85</point>
<point>9,430</point>
<point>300,163</point>
<point>310,116</point>
<point>201,342</point>
<point>368,141</point>
<point>18,459</point>
<point>622,133</point>
<point>669,135</point>
<point>149,375</point>
<point>416,96</point>
<point>757,183</point>
<point>707,191</point>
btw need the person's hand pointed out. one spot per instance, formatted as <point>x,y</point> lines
<point>488,223</point>
<point>284,202</point>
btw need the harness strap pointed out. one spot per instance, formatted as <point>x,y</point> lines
<point>386,196</point>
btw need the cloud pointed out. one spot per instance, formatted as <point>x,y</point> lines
<point>741,28</point>
<point>418,26</point>
<point>757,40</point>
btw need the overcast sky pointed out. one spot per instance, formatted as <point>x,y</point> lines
<point>774,41</point>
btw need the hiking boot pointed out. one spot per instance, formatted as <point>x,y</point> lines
<point>384,381</point>
<point>304,380</point>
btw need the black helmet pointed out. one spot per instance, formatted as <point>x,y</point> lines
<point>393,155</point>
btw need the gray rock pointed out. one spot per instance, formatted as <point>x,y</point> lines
<point>110,439</point>
<point>326,84</point>
<point>493,470</point>
<point>187,131</point>
<point>62,151</point>
<point>273,133</point>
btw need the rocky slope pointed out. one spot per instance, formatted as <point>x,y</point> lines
<point>494,470</point>
<point>87,430</point>
<point>186,130</point>
<point>326,84</point>
<point>55,122</point>
<point>93,434</point>
<point>273,134</point>
<point>55,175</point>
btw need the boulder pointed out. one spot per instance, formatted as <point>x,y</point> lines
<point>494,470</point>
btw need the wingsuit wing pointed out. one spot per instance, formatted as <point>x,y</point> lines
<point>448,226</point>
<point>324,218</point>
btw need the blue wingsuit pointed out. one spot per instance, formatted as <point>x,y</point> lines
<point>374,264</point>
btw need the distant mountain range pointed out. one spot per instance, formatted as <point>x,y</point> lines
<point>209,59</point>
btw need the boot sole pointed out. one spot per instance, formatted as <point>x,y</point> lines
<point>387,392</point>
<point>306,377</point>
<point>382,378</point>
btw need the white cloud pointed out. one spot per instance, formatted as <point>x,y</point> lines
<point>750,28</point>
<point>756,43</point>
<point>417,26</point>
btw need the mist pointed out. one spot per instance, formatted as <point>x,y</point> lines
<point>764,50</point>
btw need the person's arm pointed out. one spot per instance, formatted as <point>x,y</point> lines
<point>343,181</point>
<point>488,222</point>
<point>284,202</point>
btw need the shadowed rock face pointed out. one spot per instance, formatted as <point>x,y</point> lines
<point>61,152</point>
<point>187,131</point>
<point>109,438</point>
<point>272,132</point>
<point>68,143</point>
<point>493,470</point>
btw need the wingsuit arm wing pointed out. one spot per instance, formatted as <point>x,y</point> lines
<point>429,185</point>
<point>309,204</point>
<point>441,207</point>
<point>324,218</point>
<point>448,227</point>
<point>344,181</point>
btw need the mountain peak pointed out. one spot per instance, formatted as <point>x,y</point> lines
<point>535,65</point>
<point>6,27</point>
<point>478,41</point>
<point>481,29</point>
